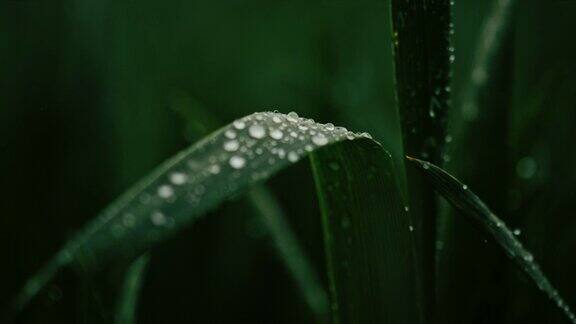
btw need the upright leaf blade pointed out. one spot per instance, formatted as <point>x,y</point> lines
<point>423,54</point>
<point>467,203</point>
<point>368,236</point>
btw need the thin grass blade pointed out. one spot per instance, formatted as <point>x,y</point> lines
<point>466,202</point>
<point>290,251</point>
<point>130,291</point>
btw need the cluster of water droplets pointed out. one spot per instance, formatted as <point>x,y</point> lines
<point>278,136</point>
<point>254,146</point>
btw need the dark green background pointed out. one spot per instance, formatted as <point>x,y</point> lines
<point>93,94</point>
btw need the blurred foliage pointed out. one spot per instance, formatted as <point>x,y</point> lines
<point>91,97</point>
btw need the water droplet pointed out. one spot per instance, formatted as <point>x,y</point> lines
<point>448,139</point>
<point>178,178</point>
<point>165,191</point>
<point>231,134</point>
<point>292,156</point>
<point>465,187</point>
<point>276,119</point>
<point>411,228</point>
<point>276,134</point>
<point>214,169</point>
<point>329,126</point>
<point>320,139</point>
<point>237,162</point>
<point>426,165</point>
<point>231,146</point>
<point>406,208</point>
<point>239,124</point>
<point>517,232</point>
<point>292,116</point>
<point>257,131</point>
<point>528,257</point>
<point>157,218</point>
<point>365,135</point>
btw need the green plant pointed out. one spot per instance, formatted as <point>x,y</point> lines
<point>382,228</point>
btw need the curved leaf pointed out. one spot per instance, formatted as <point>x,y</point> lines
<point>226,163</point>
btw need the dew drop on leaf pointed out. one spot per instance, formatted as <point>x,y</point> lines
<point>292,156</point>
<point>293,116</point>
<point>237,162</point>
<point>257,131</point>
<point>276,134</point>
<point>231,145</point>
<point>158,218</point>
<point>320,140</point>
<point>239,124</point>
<point>165,191</point>
<point>178,178</point>
<point>214,169</point>
<point>231,134</point>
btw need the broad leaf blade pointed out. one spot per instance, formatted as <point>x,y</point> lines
<point>465,201</point>
<point>197,180</point>
<point>368,236</point>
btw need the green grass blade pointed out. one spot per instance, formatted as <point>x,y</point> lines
<point>423,55</point>
<point>488,47</point>
<point>467,203</point>
<point>195,181</point>
<point>130,291</point>
<point>291,252</point>
<point>368,236</point>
